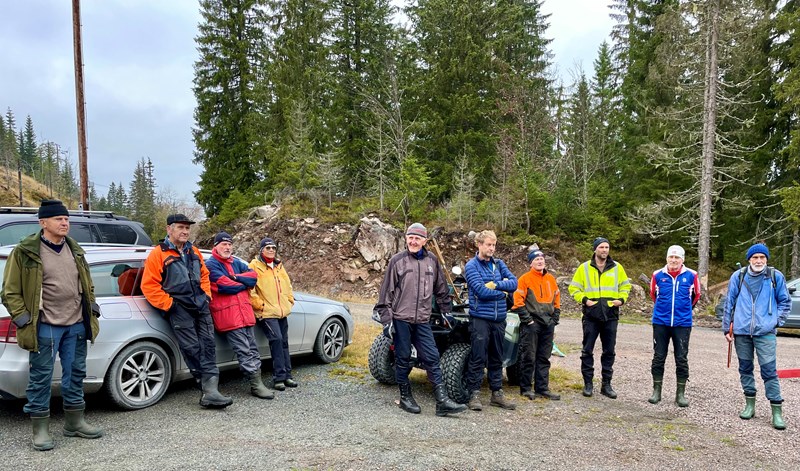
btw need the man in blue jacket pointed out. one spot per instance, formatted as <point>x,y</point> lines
<point>488,280</point>
<point>758,303</point>
<point>675,289</point>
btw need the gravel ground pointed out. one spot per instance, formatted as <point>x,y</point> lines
<point>343,422</point>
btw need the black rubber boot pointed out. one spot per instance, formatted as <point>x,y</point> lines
<point>407,402</point>
<point>444,405</point>
<point>211,398</point>
<point>75,426</point>
<point>588,388</point>
<point>258,389</point>
<point>656,397</point>
<point>606,389</point>
<point>42,441</point>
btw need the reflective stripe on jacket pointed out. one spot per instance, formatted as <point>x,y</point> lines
<point>589,283</point>
<point>537,291</point>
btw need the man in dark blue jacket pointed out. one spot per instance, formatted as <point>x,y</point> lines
<point>488,281</point>
<point>758,303</point>
<point>675,289</point>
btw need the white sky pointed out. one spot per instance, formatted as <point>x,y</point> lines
<point>139,57</point>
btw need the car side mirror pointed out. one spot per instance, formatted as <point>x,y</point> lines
<point>792,289</point>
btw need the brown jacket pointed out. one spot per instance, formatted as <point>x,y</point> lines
<point>409,287</point>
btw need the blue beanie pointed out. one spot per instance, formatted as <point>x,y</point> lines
<point>534,253</point>
<point>757,248</point>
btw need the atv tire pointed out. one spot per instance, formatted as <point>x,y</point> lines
<point>455,362</point>
<point>381,360</point>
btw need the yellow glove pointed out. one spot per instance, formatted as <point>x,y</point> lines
<point>491,285</point>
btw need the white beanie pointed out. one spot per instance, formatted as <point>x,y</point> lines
<point>676,250</point>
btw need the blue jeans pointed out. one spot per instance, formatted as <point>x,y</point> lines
<point>764,346</point>
<point>486,339</point>
<point>421,336</point>
<point>70,344</point>
<point>277,333</point>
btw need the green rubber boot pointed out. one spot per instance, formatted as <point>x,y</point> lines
<point>680,395</point>
<point>656,397</point>
<point>76,426</point>
<point>777,417</point>
<point>42,441</point>
<point>749,410</point>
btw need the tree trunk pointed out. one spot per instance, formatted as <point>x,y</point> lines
<point>795,268</point>
<point>709,137</point>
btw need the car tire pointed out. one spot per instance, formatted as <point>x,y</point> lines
<point>139,376</point>
<point>381,360</point>
<point>455,362</point>
<point>330,341</point>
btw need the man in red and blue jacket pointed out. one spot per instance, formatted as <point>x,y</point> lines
<point>233,315</point>
<point>488,280</point>
<point>675,289</point>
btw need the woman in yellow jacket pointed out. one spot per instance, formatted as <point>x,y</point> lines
<point>272,301</point>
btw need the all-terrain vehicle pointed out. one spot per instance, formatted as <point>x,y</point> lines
<point>453,342</point>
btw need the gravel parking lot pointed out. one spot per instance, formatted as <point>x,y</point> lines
<point>335,421</point>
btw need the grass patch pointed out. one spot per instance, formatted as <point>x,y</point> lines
<point>563,379</point>
<point>356,355</point>
<point>728,441</point>
<point>348,372</point>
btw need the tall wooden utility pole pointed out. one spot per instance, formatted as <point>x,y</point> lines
<point>80,104</point>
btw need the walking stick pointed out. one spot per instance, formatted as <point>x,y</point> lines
<point>730,342</point>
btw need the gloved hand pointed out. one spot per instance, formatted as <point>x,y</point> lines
<point>448,320</point>
<point>491,285</point>
<point>556,316</point>
<point>388,330</point>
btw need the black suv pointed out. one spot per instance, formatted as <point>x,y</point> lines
<point>84,226</point>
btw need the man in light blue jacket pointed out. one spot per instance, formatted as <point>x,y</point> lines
<point>758,303</point>
<point>488,280</point>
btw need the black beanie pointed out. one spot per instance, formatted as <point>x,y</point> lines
<point>599,241</point>
<point>52,208</point>
<point>222,236</point>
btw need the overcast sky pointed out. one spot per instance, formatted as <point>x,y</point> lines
<point>138,57</point>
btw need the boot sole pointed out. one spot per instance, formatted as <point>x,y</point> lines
<point>269,396</point>
<point>504,406</point>
<point>446,413</point>
<point>215,405</point>
<point>46,447</point>
<point>411,411</point>
<point>68,433</point>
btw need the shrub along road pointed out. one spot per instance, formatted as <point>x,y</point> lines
<point>337,420</point>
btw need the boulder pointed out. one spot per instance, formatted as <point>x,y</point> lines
<point>377,241</point>
<point>266,212</point>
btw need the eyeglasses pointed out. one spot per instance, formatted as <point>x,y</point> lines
<point>270,247</point>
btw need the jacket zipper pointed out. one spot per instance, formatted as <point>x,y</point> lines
<point>675,284</point>
<point>419,275</point>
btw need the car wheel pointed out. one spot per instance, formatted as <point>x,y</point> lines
<point>139,376</point>
<point>455,362</point>
<point>330,341</point>
<point>381,360</point>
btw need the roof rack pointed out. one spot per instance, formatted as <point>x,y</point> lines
<point>72,212</point>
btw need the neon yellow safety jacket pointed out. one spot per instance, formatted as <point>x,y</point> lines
<point>612,284</point>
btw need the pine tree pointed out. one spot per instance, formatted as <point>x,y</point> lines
<point>27,148</point>
<point>141,197</point>
<point>231,46</point>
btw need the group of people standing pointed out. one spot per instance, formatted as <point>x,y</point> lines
<point>414,278</point>
<point>48,291</point>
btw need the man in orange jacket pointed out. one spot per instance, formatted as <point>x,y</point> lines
<point>175,281</point>
<point>537,300</point>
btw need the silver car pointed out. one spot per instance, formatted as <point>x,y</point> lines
<point>136,357</point>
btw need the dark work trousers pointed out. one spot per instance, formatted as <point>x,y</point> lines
<point>535,348</point>
<point>277,333</point>
<point>195,334</point>
<point>421,336</point>
<point>243,343</point>
<point>607,331</point>
<point>486,338</point>
<point>680,346</point>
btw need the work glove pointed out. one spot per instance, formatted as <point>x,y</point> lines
<point>388,330</point>
<point>491,285</point>
<point>556,316</point>
<point>448,320</point>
